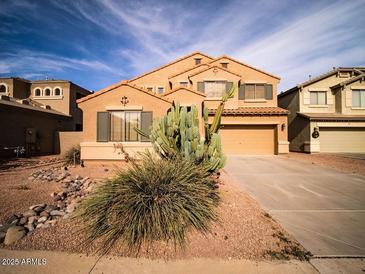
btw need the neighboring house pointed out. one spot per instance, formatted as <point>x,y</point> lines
<point>31,112</point>
<point>327,113</point>
<point>251,122</point>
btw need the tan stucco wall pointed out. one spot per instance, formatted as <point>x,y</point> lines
<point>60,104</point>
<point>65,140</point>
<point>322,85</point>
<point>346,98</point>
<point>160,77</point>
<point>112,99</point>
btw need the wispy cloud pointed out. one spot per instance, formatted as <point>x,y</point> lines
<point>120,39</point>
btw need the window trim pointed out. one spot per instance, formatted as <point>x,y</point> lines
<point>317,92</point>
<point>44,92</point>
<point>257,100</point>
<point>41,90</point>
<point>224,65</point>
<point>124,126</point>
<point>187,84</point>
<point>163,89</point>
<point>361,104</point>
<point>214,97</point>
<point>151,87</point>
<point>54,92</point>
<point>6,88</point>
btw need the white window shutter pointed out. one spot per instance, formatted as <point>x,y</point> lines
<point>306,97</point>
<point>348,97</point>
<point>329,98</point>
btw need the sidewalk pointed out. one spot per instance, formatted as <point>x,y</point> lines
<point>60,262</point>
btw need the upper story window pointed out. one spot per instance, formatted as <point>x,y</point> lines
<point>150,89</point>
<point>160,90</point>
<point>37,92</point>
<point>3,88</point>
<point>254,91</point>
<point>122,124</point>
<point>198,61</point>
<point>47,92</point>
<point>215,88</point>
<point>184,84</point>
<point>318,97</point>
<point>224,65</point>
<point>57,91</point>
<point>344,74</point>
<point>358,98</point>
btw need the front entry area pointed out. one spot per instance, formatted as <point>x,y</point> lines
<point>248,139</point>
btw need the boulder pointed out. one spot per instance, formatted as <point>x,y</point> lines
<point>30,227</point>
<point>44,214</point>
<point>38,205</point>
<point>32,219</point>
<point>42,219</point>
<point>78,177</point>
<point>57,213</point>
<point>2,237</point>
<point>23,221</point>
<point>13,234</point>
<point>49,208</point>
<point>29,213</point>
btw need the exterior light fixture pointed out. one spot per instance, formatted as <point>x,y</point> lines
<point>283,127</point>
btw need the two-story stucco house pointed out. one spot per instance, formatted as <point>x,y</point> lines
<point>252,123</point>
<point>327,113</point>
<point>31,112</point>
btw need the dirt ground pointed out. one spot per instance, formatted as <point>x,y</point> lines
<point>244,230</point>
<point>337,162</point>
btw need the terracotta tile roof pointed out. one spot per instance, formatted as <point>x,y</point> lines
<point>332,117</point>
<point>244,64</point>
<point>252,111</point>
<point>210,67</point>
<point>185,88</point>
<point>191,68</point>
<point>121,83</point>
<point>171,63</point>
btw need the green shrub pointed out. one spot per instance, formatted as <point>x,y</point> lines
<point>72,155</point>
<point>154,200</point>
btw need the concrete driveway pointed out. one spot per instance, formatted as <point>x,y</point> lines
<point>323,209</point>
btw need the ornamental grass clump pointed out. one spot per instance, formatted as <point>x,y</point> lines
<point>154,200</point>
<point>72,155</point>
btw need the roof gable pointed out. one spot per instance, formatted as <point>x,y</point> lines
<point>119,84</point>
<point>189,69</point>
<point>171,63</point>
<point>243,64</point>
<point>186,89</point>
<point>214,67</point>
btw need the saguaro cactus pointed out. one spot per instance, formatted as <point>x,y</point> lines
<point>178,133</point>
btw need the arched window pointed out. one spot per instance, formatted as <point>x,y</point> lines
<point>57,92</point>
<point>3,88</point>
<point>37,92</point>
<point>47,92</point>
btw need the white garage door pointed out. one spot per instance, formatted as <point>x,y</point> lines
<point>342,139</point>
<point>254,140</point>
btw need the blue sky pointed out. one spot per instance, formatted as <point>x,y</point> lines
<point>96,43</point>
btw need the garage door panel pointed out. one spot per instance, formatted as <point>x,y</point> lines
<point>255,140</point>
<point>342,139</point>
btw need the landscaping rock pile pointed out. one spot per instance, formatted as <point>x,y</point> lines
<point>43,215</point>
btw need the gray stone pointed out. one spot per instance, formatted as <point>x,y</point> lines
<point>30,227</point>
<point>23,221</point>
<point>29,213</point>
<point>44,214</point>
<point>38,205</point>
<point>52,222</point>
<point>78,177</point>
<point>13,234</point>
<point>32,219</point>
<point>57,213</point>
<point>49,208</point>
<point>42,219</point>
<point>39,225</point>
<point>2,237</point>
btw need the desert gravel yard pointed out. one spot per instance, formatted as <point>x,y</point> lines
<point>244,230</point>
